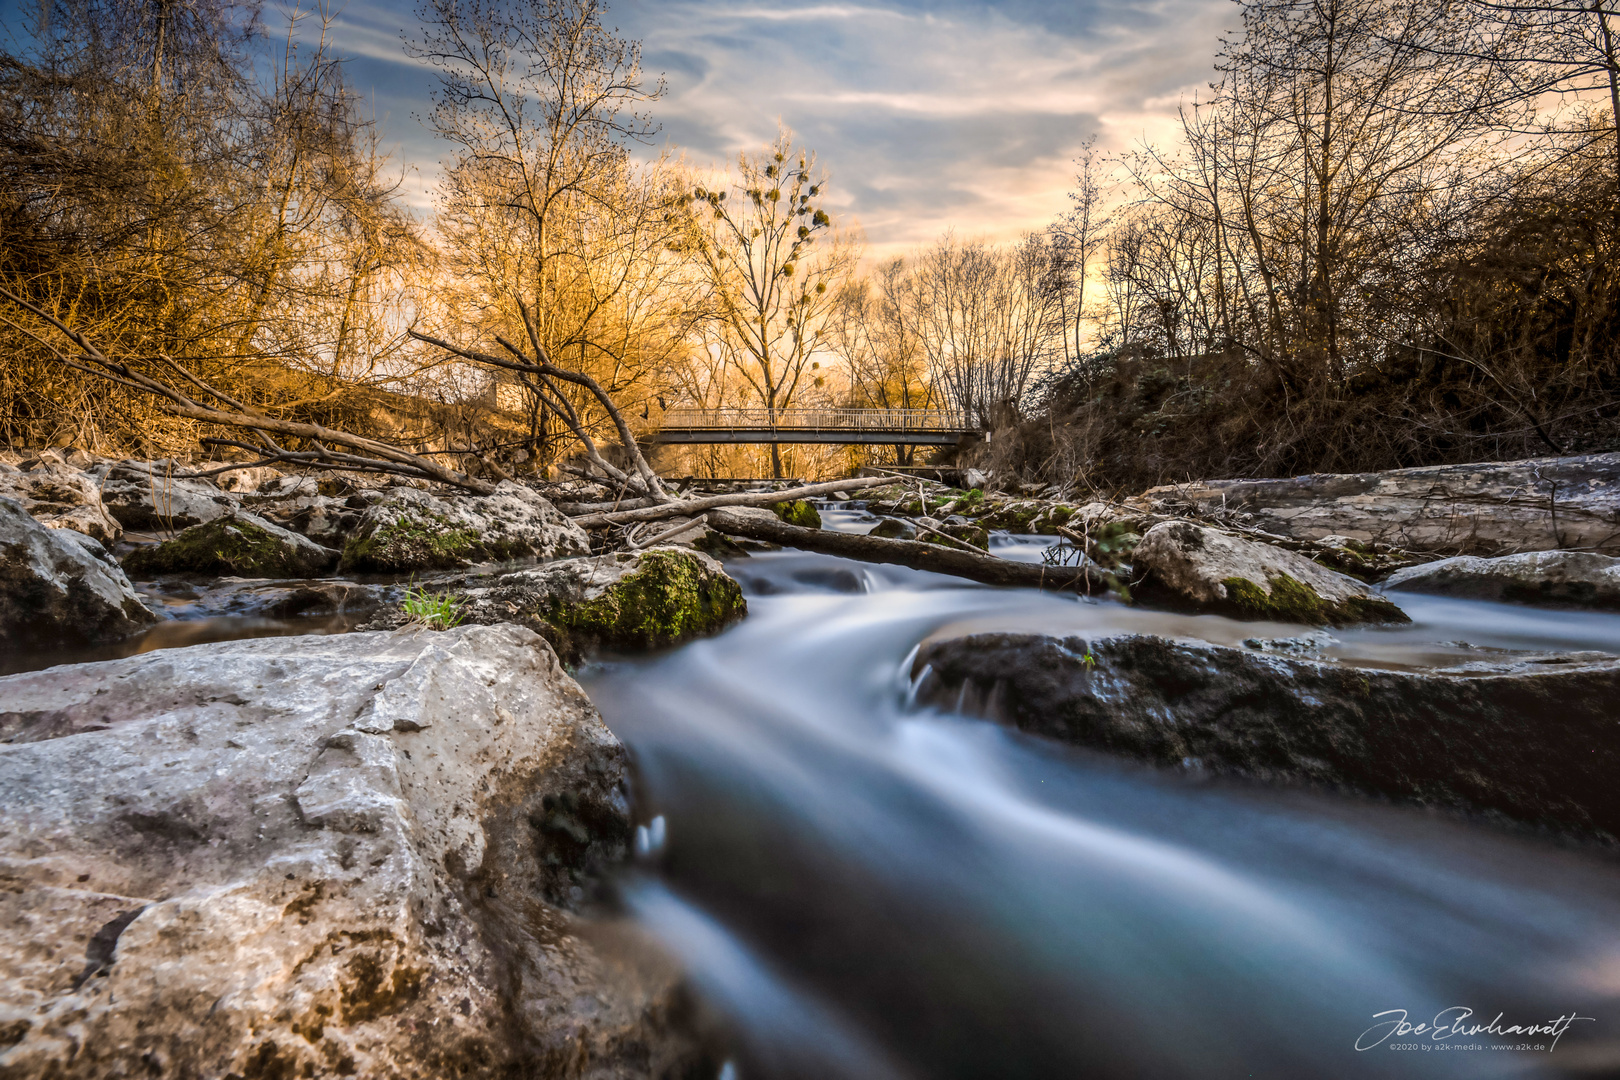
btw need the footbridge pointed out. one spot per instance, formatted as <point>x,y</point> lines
<point>918,427</point>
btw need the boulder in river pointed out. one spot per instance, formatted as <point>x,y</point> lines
<point>315,856</point>
<point>798,512</point>
<point>58,586</point>
<point>893,529</point>
<point>622,602</point>
<point>1210,570</point>
<point>59,496</point>
<point>1487,508</point>
<point>149,496</point>
<point>238,545</point>
<point>1535,739</point>
<point>1568,578</point>
<point>409,530</point>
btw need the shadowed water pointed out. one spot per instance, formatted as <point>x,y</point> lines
<point>867,889</point>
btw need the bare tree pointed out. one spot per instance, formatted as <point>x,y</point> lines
<point>557,238</point>
<point>774,264</point>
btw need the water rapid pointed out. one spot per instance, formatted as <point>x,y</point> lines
<point>864,888</point>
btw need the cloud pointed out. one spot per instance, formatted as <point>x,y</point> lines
<point>929,115</point>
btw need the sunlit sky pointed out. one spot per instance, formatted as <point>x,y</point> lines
<point>928,114</point>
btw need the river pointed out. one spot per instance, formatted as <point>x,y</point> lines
<point>859,887</point>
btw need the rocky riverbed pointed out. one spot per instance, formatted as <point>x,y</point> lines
<point>377,852</point>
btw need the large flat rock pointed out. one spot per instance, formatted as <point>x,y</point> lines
<point>1536,739</point>
<point>1490,508</point>
<point>1559,578</point>
<point>1206,569</point>
<point>313,856</point>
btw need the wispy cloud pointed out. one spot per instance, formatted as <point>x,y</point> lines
<point>930,114</point>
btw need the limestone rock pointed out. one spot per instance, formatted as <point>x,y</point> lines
<point>59,586</point>
<point>1491,508</point>
<point>249,480</point>
<point>1536,739</point>
<point>148,496</point>
<point>622,602</point>
<point>1573,578</point>
<point>240,545</point>
<point>410,530</point>
<point>59,496</point>
<point>327,520</point>
<point>1210,570</point>
<point>313,856</point>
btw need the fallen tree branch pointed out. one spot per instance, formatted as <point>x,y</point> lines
<point>930,530</point>
<point>973,565</point>
<point>92,361</point>
<point>543,371</point>
<point>668,535</point>
<point>744,498</point>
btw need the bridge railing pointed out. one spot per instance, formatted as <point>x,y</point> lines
<point>760,419</point>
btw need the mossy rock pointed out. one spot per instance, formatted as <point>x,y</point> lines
<point>798,512</point>
<point>671,597</point>
<point>413,540</point>
<point>893,529</point>
<point>1111,545</point>
<point>975,535</point>
<point>1292,601</point>
<point>719,546</point>
<point>233,546</point>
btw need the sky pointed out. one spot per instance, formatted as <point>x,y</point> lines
<point>928,114</point>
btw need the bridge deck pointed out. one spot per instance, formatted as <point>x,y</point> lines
<point>922,427</point>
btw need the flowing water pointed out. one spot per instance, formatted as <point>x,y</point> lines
<point>864,888</point>
<point>860,887</point>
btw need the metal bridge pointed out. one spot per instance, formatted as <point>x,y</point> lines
<point>919,427</point>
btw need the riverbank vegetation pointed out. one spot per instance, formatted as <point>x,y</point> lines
<point>1386,236</point>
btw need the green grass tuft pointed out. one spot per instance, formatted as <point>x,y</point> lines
<point>434,611</point>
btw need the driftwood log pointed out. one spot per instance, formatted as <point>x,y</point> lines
<point>689,507</point>
<point>986,569</point>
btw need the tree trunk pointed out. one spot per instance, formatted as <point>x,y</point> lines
<point>986,569</point>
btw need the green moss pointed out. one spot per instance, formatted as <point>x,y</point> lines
<point>892,529</point>
<point>1113,544</point>
<point>1293,601</point>
<point>413,541</point>
<point>670,598</point>
<point>226,546</point>
<point>719,546</point>
<point>1019,517</point>
<point>798,513</point>
<point>976,535</point>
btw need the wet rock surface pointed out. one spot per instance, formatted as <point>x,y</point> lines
<point>60,586</point>
<point>350,855</point>
<point>1488,508</point>
<point>238,544</point>
<point>1193,565</point>
<point>1559,578</point>
<point>410,530</point>
<point>1531,739</point>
